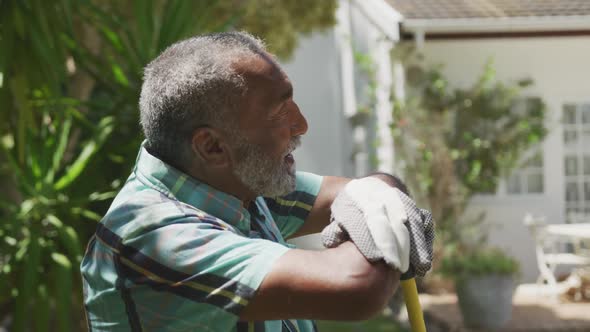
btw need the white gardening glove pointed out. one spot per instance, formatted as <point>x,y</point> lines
<point>371,214</point>
<point>351,222</point>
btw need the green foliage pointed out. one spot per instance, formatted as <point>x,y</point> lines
<point>493,126</point>
<point>480,262</point>
<point>457,142</point>
<point>39,237</point>
<point>70,78</point>
<point>30,38</point>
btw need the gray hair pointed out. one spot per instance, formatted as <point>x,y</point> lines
<point>189,85</point>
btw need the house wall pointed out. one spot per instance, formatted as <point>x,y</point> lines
<point>560,69</point>
<point>315,74</point>
<point>328,87</point>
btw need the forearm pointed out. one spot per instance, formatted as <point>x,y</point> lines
<point>335,284</point>
<point>319,216</point>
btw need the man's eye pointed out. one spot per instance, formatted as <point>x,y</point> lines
<point>282,111</point>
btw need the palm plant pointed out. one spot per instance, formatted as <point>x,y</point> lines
<point>57,129</point>
<point>70,77</point>
<point>41,248</point>
<point>37,121</point>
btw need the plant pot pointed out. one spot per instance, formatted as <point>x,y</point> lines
<point>485,301</point>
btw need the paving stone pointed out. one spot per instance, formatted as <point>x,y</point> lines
<point>530,312</point>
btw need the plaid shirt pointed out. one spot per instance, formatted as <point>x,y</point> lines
<point>174,254</point>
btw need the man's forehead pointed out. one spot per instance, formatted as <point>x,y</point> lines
<point>262,65</point>
<point>267,86</point>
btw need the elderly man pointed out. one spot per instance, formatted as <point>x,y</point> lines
<point>195,240</point>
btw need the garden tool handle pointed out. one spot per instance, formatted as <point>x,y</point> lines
<point>410,291</point>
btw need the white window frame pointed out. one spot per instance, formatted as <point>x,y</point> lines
<point>581,152</point>
<point>523,172</point>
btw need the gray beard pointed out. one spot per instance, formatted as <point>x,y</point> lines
<point>261,173</point>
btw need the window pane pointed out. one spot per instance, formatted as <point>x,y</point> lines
<point>535,183</point>
<point>529,177</point>
<point>570,137</point>
<point>587,191</point>
<point>569,114</point>
<point>577,217</point>
<point>514,186</point>
<point>571,165</point>
<point>585,113</point>
<point>571,192</point>
<point>587,165</point>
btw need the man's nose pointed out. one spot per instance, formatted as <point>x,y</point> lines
<point>299,123</point>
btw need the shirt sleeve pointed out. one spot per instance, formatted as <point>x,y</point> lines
<point>290,211</point>
<point>197,259</point>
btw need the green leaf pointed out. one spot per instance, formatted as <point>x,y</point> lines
<point>16,170</point>
<point>144,14</point>
<point>10,240</point>
<point>55,222</point>
<point>23,248</point>
<point>42,309</point>
<point>86,213</point>
<point>95,197</point>
<point>63,288</point>
<point>81,118</point>
<point>119,75</point>
<point>19,85</point>
<point>69,239</point>
<point>61,260</point>
<point>104,130</point>
<point>19,22</point>
<point>58,154</point>
<point>112,37</point>
<point>27,286</point>
<point>173,23</point>
<point>34,155</point>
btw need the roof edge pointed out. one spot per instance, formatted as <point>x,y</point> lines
<point>495,24</point>
<point>382,14</point>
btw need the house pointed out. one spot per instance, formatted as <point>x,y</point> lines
<point>330,88</point>
<point>549,42</point>
<point>545,40</point>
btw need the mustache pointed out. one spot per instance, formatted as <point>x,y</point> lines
<point>294,144</point>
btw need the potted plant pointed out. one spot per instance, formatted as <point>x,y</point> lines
<point>484,281</point>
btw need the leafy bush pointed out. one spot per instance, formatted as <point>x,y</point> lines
<point>457,142</point>
<point>453,143</point>
<point>478,263</point>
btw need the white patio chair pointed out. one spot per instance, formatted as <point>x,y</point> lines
<point>581,246</point>
<point>551,252</point>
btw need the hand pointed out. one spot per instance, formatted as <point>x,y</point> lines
<point>421,228</point>
<point>384,224</point>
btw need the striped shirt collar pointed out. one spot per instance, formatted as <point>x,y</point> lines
<point>189,190</point>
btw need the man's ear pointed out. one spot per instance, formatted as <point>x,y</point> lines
<point>207,143</point>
